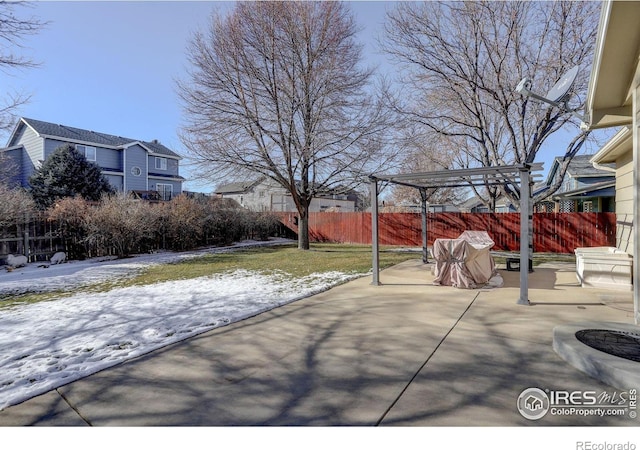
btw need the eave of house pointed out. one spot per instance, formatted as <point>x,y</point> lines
<point>619,144</point>
<point>615,65</point>
<point>13,147</point>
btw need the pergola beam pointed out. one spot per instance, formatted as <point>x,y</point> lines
<point>461,173</point>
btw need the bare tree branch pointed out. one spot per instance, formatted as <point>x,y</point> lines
<point>462,61</point>
<point>13,31</point>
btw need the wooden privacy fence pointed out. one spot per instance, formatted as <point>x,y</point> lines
<point>552,232</point>
<point>39,239</point>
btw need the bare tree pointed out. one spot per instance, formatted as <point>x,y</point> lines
<point>463,60</point>
<point>13,30</point>
<point>425,155</point>
<point>277,89</point>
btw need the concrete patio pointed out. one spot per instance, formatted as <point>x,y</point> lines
<point>406,353</point>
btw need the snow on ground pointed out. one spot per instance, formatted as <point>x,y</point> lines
<point>43,277</point>
<point>48,344</point>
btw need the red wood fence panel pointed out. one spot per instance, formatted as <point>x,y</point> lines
<point>552,232</point>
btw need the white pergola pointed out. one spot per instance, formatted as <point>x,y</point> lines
<point>517,176</point>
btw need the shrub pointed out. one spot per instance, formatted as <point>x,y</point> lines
<point>16,206</point>
<point>126,224</point>
<point>72,215</point>
<point>181,221</point>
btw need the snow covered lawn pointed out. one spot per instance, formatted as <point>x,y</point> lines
<point>48,344</point>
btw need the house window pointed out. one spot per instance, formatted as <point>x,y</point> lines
<point>88,152</point>
<point>165,191</point>
<point>161,163</point>
<point>136,171</point>
<point>587,206</point>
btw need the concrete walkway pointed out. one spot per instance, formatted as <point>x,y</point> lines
<point>406,353</point>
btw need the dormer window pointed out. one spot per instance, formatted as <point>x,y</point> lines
<point>161,163</point>
<point>88,152</point>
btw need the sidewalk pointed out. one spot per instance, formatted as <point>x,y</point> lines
<point>406,353</point>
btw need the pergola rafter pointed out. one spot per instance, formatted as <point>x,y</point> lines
<point>517,176</point>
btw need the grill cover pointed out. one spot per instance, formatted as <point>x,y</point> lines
<point>464,262</point>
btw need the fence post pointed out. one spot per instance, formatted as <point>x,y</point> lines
<point>526,217</point>
<point>374,232</point>
<point>423,211</point>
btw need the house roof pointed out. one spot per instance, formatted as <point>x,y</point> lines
<point>579,167</point>
<point>52,130</point>
<point>614,64</point>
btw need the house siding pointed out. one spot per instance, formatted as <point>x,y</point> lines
<point>330,204</point>
<point>106,158</point>
<point>172,166</point>
<point>624,203</point>
<point>109,158</point>
<point>51,145</point>
<point>116,181</point>
<point>33,148</point>
<point>135,156</point>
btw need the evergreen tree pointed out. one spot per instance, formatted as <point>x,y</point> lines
<point>67,173</point>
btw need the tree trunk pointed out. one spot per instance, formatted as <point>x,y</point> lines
<point>303,228</point>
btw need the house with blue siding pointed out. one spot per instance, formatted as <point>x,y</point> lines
<point>585,187</point>
<point>130,165</point>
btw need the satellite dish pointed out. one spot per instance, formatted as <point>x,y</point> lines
<point>562,87</point>
<point>558,96</point>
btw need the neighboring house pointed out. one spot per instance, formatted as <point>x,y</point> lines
<point>264,194</point>
<point>130,165</point>
<point>474,205</point>
<point>585,188</point>
<point>417,208</point>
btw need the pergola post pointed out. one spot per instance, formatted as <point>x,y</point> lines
<point>374,232</point>
<point>525,221</point>
<point>423,212</point>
